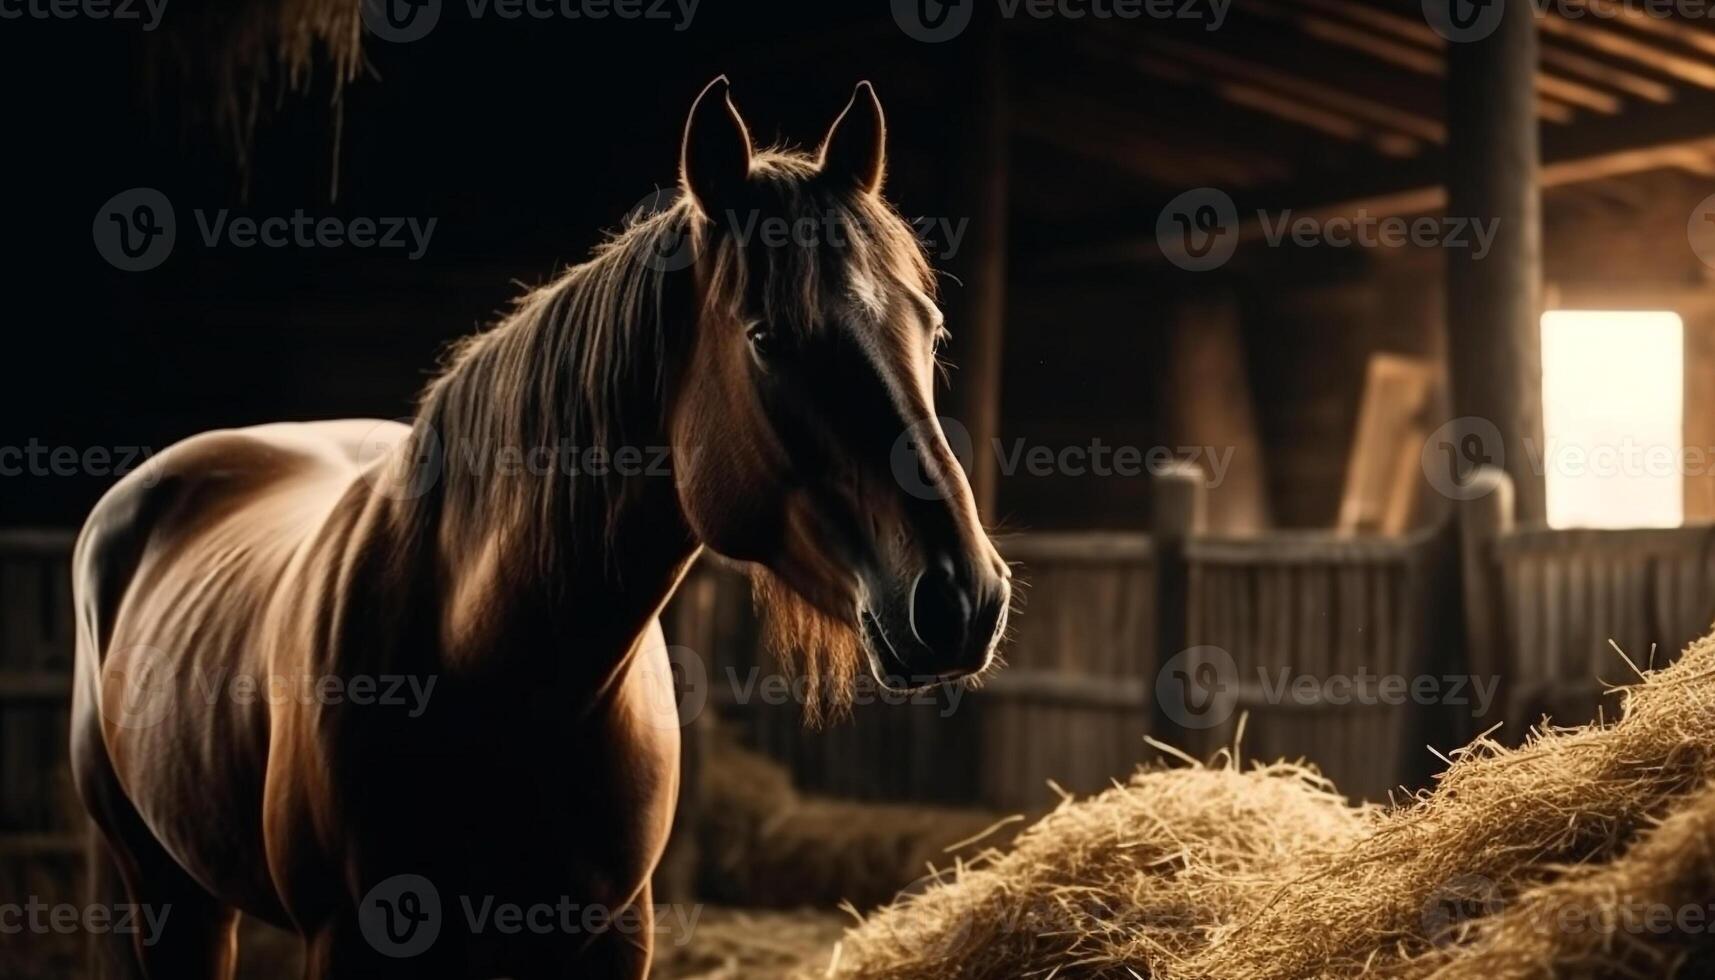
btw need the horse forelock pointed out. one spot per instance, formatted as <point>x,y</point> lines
<point>839,245</point>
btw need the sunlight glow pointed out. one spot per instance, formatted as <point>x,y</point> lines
<point>1613,407</point>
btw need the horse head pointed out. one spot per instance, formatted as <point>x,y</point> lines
<point>807,396</point>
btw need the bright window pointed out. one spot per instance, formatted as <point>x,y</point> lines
<point>1613,406</point>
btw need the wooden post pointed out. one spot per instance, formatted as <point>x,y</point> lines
<point>1483,518</point>
<point>1209,403</point>
<point>1494,302</point>
<point>976,310</point>
<point>1180,502</point>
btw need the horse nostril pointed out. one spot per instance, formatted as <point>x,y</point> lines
<point>940,609</point>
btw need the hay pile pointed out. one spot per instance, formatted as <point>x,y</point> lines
<point>763,844</point>
<point>1586,852</point>
<point>231,60</point>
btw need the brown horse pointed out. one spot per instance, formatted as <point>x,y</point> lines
<point>407,703</point>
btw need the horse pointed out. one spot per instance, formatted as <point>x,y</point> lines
<point>246,605</point>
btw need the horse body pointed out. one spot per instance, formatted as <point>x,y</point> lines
<point>222,591</point>
<point>248,604</point>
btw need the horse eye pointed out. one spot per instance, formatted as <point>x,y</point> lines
<point>762,339</point>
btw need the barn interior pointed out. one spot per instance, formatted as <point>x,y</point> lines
<point>1339,376</point>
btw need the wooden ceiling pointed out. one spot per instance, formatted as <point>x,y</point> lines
<point>1326,106</point>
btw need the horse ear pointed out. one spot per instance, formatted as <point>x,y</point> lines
<point>855,149</point>
<point>714,161</point>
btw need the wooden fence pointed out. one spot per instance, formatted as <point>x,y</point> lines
<point>1322,639</point>
<point>1546,609</point>
<point>41,838</point>
<point>1104,618</point>
<point>1112,629</point>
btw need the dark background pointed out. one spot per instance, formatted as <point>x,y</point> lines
<point>524,139</point>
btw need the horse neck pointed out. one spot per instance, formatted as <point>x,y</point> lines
<point>583,565</point>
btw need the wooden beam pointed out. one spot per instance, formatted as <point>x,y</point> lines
<point>1695,156</point>
<point>1136,144</point>
<point>1372,114</point>
<point>1494,333</point>
<point>1646,137</point>
<point>1413,45</point>
<point>1687,69</point>
<point>1625,81</point>
<point>1673,28</point>
<point>976,311</point>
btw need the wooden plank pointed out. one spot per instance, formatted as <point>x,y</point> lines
<point>1067,688</point>
<point>37,685</point>
<point>36,541</point>
<point>1076,546</point>
<point>1382,469</point>
<point>41,845</point>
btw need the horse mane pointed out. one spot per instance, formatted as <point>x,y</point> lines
<point>583,363</point>
<point>554,378</point>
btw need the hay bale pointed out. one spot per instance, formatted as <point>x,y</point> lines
<point>1561,857</point>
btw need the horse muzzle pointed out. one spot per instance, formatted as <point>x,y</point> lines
<point>945,626</point>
